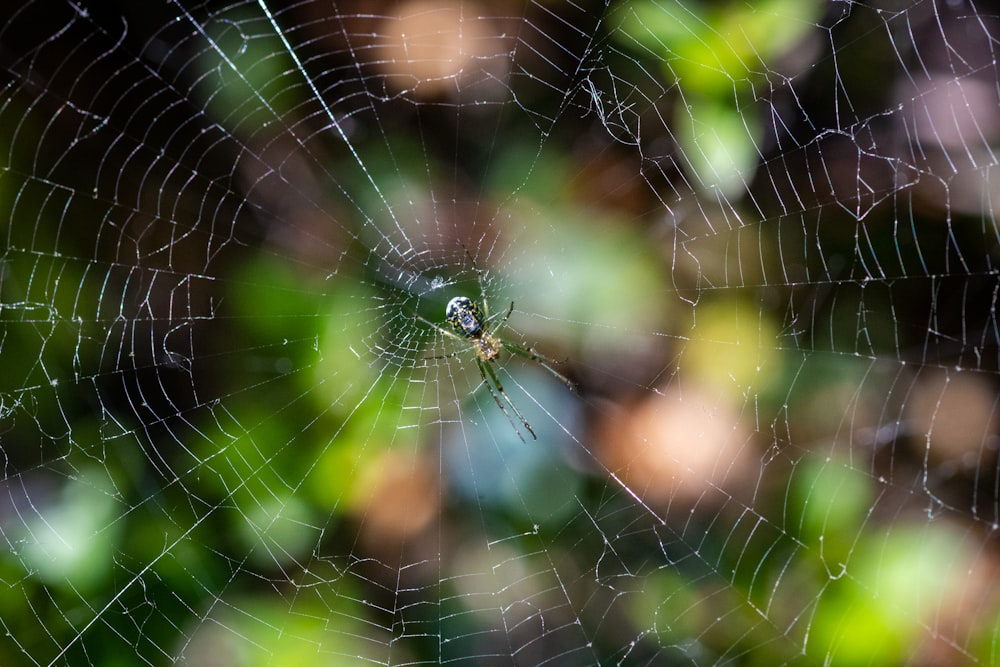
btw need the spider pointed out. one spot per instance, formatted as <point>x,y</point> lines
<point>473,325</point>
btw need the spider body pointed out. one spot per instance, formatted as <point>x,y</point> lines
<point>464,315</point>
<point>472,324</point>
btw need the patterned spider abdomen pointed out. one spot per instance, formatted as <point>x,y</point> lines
<point>463,314</point>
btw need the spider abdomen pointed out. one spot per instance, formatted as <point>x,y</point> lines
<point>463,314</point>
<point>473,325</point>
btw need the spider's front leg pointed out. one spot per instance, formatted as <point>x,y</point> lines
<point>486,370</point>
<point>531,354</point>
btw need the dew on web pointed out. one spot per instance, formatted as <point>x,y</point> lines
<point>632,333</point>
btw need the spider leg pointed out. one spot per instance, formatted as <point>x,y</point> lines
<point>444,356</point>
<point>446,332</point>
<point>486,370</point>
<point>505,317</point>
<point>540,359</point>
<point>482,289</point>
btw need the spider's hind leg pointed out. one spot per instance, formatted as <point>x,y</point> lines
<point>504,319</point>
<point>445,332</point>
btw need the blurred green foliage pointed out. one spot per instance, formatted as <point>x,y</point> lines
<point>162,504</point>
<point>718,54</point>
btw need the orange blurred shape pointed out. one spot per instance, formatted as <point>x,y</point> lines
<point>432,48</point>
<point>680,445</point>
<point>398,495</point>
<point>958,413</point>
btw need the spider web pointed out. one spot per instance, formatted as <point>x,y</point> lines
<point>758,236</point>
